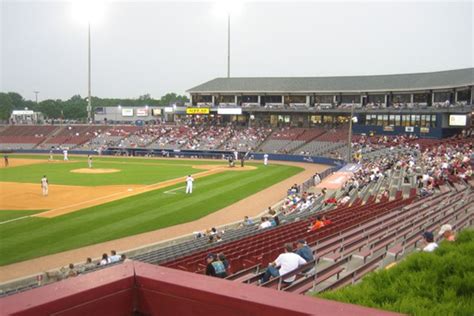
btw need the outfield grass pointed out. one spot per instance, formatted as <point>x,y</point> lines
<point>132,171</point>
<point>33,237</point>
<point>9,215</point>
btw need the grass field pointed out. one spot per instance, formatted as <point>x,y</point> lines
<point>33,237</point>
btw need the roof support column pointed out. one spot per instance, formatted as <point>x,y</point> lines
<point>412,98</point>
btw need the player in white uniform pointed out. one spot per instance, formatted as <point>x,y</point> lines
<point>51,155</point>
<point>265,159</point>
<point>65,154</point>
<point>89,161</point>
<point>189,184</point>
<point>44,185</point>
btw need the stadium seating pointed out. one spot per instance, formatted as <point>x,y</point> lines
<point>24,136</point>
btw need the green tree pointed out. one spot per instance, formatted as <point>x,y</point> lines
<point>171,98</point>
<point>75,108</point>
<point>6,106</point>
<point>51,108</point>
<point>17,100</point>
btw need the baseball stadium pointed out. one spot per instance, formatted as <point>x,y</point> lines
<point>323,195</point>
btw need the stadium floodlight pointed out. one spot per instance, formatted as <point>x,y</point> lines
<point>36,96</point>
<point>88,12</point>
<point>227,8</point>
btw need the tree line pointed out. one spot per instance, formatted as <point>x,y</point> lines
<point>75,107</point>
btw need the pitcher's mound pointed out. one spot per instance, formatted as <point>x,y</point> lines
<point>95,171</point>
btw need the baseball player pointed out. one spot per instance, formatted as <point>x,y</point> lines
<point>89,161</point>
<point>51,155</point>
<point>189,184</point>
<point>5,160</point>
<point>44,185</point>
<point>65,155</point>
<point>265,159</point>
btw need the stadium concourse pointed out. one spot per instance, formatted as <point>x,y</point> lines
<point>399,187</point>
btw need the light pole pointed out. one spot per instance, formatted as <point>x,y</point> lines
<point>228,44</point>
<point>89,101</point>
<point>36,96</point>
<point>349,141</point>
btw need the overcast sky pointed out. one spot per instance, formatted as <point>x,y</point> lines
<point>159,47</point>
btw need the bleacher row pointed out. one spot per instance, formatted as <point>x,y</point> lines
<point>308,141</point>
<point>358,242</point>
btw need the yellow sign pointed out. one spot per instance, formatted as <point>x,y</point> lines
<point>197,110</point>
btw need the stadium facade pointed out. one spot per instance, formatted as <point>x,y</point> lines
<point>435,104</point>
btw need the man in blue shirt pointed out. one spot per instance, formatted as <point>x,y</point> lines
<point>306,253</point>
<point>304,250</point>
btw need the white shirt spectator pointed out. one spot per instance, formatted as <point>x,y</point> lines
<point>265,224</point>
<point>115,258</point>
<point>288,262</point>
<point>430,247</point>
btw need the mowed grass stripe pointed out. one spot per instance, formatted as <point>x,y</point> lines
<point>129,173</point>
<point>9,215</point>
<point>141,208</point>
<point>35,237</point>
<point>170,161</point>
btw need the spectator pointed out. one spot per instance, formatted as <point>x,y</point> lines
<point>224,260</point>
<point>89,265</point>
<point>104,260</point>
<point>447,232</point>
<point>72,272</point>
<point>304,250</point>
<point>275,218</point>
<point>326,221</point>
<point>215,267</point>
<point>345,200</point>
<point>429,240</point>
<point>287,261</point>
<point>331,200</point>
<point>265,223</point>
<point>316,225</point>
<point>114,257</point>
<point>317,179</point>
<point>247,221</point>
<point>124,258</point>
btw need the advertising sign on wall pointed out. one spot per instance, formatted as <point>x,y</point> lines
<point>127,112</point>
<point>457,120</point>
<point>142,112</point>
<point>229,111</point>
<point>193,111</point>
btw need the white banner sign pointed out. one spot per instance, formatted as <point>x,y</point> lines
<point>229,111</point>
<point>127,112</point>
<point>457,120</point>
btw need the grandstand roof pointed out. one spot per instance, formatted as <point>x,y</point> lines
<point>400,82</point>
